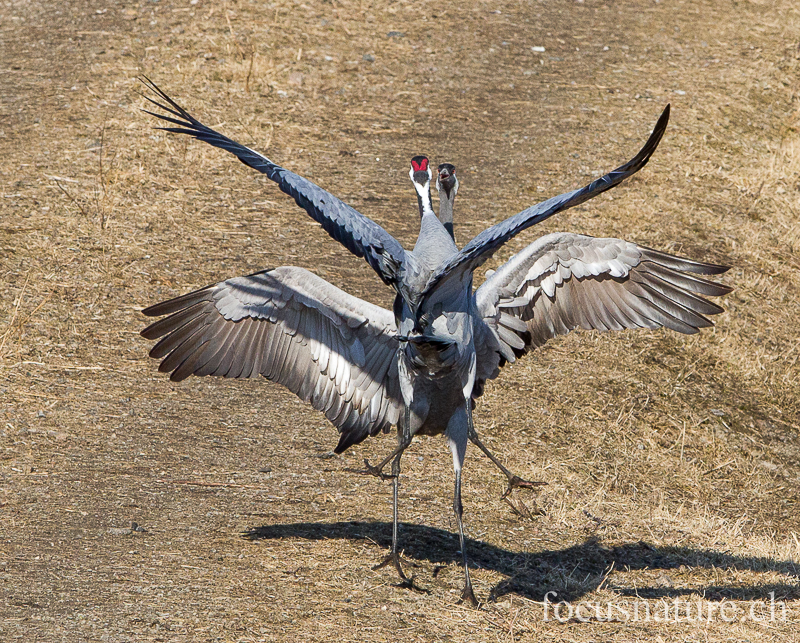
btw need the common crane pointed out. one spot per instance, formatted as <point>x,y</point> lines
<point>447,187</point>
<point>420,365</point>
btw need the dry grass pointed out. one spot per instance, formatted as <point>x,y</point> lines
<point>672,461</point>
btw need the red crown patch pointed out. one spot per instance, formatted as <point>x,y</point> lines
<point>422,166</point>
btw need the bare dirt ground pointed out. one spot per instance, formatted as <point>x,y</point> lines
<point>673,461</point>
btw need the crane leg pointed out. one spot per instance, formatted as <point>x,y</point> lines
<point>514,481</point>
<point>458,508</point>
<point>394,455</point>
<point>457,432</point>
<point>404,437</point>
<point>393,558</point>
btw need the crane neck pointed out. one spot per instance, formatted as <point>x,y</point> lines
<point>446,210</point>
<point>424,198</point>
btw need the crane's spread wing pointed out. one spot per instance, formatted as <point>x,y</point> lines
<point>359,234</point>
<point>483,246</point>
<point>566,281</point>
<point>331,349</point>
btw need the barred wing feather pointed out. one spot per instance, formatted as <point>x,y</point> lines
<point>566,281</point>
<point>333,350</point>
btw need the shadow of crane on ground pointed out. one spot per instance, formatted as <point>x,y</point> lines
<point>572,572</point>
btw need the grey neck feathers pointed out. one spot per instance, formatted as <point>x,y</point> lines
<point>446,202</point>
<point>446,211</point>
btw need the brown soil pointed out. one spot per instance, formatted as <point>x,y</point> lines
<point>673,461</point>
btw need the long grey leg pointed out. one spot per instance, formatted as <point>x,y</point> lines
<point>394,555</point>
<point>458,508</point>
<point>457,431</point>
<point>513,480</point>
<point>403,440</point>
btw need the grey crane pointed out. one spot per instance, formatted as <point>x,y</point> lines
<point>420,365</point>
<point>447,187</point>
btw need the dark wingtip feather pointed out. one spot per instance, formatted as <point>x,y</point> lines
<point>716,269</point>
<point>177,303</point>
<point>149,333</point>
<point>156,89</point>
<point>171,108</point>
<point>682,263</point>
<point>349,438</point>
<point>641,159</point>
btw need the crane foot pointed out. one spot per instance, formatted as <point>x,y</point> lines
<point>469,596</point>
<point>410,584</point>
<point>515,482</point>
<point>371,470</point>
<point>405,582</point>
<point>393,558</point>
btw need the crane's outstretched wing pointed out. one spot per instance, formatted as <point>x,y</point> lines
<point>483,246</point>
<point>331,349</point>
<point>566,281</point>
<point>359,234</point>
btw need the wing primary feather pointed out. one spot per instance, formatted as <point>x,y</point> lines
<point>173,322</point>
<point>679,295</point>
<point>628,305</point>
<point>190,340</point>
<point>176,339</point>
<point>642,302</point>
<point>205,344</point>
<point>188,366</point>
<point>592,309</point>
<point>240,349</point>
<point>675,309</point>
<point>258,348</point>
<point>605,308</point>
<point>281,364</point>
<point>686,281</point>
<point>673,315</point>
<point>681,263</point>
<point>228,357</point>
<point>617,306</point>
<point>177,303</point>
<point>250,350</point>
<point>216,350</point>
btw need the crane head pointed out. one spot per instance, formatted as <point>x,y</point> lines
<point>447,180</point>
<point>420,172</point>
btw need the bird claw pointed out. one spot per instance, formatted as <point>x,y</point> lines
<point>405,581</point>
<point>517,482</point>
<point>469,595</point>
<point>371,470</point>
<point>394,559</point>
